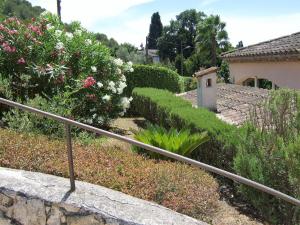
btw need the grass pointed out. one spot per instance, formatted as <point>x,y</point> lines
<point>180,187</point>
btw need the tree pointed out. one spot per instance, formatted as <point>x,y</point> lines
<point>19,8</point>
<point>59,8</point>
<point>155,31</point>
<point>180,32</point>
<point>212,38</point>
<point>224,72</point>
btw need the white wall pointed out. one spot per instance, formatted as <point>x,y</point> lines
<point>207,96</point>
<point>283,74</point>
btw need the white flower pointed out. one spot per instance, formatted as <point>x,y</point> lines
<point>69,36</point>
<point>78,32</point>
<point>131,70</point>
<point>112,87</point>
<point>119,71</point>
<point>118,62</point>
<point>100,119</point>
<point>93,110</point>
<point>99,84</point>
<point>106,97</point>
<point>88,41</point>
<point>94,69</point>
<point>59,46</point>
<point>49,26</point>
<point>89,121</point>
<point>121,87</point>
<point>94,116</point>
<point>129,64</point>
<point>58,33</point>
<point>123,78</point>
<point>125,102</point>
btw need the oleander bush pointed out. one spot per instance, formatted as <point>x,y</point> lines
<point>180,142</point>
<point>164,108</point>
<point>178,186</point>
<point>154,76</point>
<point>42,57</point>
<point>269,153</point>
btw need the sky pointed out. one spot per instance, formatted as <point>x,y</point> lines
<point>251,21</point>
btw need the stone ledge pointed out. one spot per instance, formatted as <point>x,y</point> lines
<point>36,198</point>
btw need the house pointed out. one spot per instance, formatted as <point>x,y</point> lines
<point>275,62</point>
<point>231,102</point>
<point>152,54</point>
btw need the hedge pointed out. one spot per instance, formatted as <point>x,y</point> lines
<point>164,108</point>
<point>154,76</point>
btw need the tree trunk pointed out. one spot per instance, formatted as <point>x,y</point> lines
<point>59,9</point>
<point>213,50</point>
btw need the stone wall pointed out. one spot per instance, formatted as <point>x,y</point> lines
<point>30,198</point>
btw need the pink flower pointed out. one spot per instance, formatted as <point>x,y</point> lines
<point>88,82</point>
<point>21,61</point>
<point>12,32</point>
<point>8,48</point>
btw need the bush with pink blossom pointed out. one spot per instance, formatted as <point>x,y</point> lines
<point>47,58</point>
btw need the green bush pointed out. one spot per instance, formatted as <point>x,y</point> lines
<point>29,122</point>
<point>153,76</point>
<point>190,83</point>
<point>271,155</point>
<point>179,142</point>
<point>164,108</point>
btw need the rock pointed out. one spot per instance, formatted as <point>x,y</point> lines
<point>28,211</point>
<point>83,220</point>
<point>4,221</point>
<point>54,216</point>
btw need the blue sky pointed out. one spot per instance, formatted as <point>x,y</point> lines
<point>251,21</point>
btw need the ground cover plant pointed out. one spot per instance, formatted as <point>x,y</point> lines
<point>180,142</point>
<point>175,185</point>
<point>43,57</point>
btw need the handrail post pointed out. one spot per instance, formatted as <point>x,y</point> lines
<point>70,156</point>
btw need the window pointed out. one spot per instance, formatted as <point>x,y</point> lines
<point>208,82</point>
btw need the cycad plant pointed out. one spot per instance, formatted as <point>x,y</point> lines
<point>180,142</point>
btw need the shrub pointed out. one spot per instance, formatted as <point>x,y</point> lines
<point>153,76</point>
<point>164,108</point>
<point>179,142</point>
<point>175,185</point>
<point>190,83</point>
<point>42,58</point>
<point>269,153</point>
<point>29,122</point>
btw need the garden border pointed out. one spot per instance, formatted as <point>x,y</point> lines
<point>69,122</point>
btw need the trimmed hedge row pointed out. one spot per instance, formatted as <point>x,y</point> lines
<point>162,107</point>
<point>154,76</point>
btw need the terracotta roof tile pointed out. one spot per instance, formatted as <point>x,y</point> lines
<point>282,47</point>
<point>233,101</point>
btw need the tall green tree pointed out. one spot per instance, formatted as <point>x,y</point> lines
<point>180,33</point>
<point>21,9</point>
<point>155,31</point>
<point>212,38</point>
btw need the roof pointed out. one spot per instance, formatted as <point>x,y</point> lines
<point>202,73</point>
<point>233,101</point>
<point>282,48</point>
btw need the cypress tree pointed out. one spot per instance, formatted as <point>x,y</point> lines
<point>155,31</point>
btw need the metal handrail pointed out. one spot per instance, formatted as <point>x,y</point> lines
<point>69,122</point>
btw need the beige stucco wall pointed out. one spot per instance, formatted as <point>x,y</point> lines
<point>207,96</point>
<point>283,74</point>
